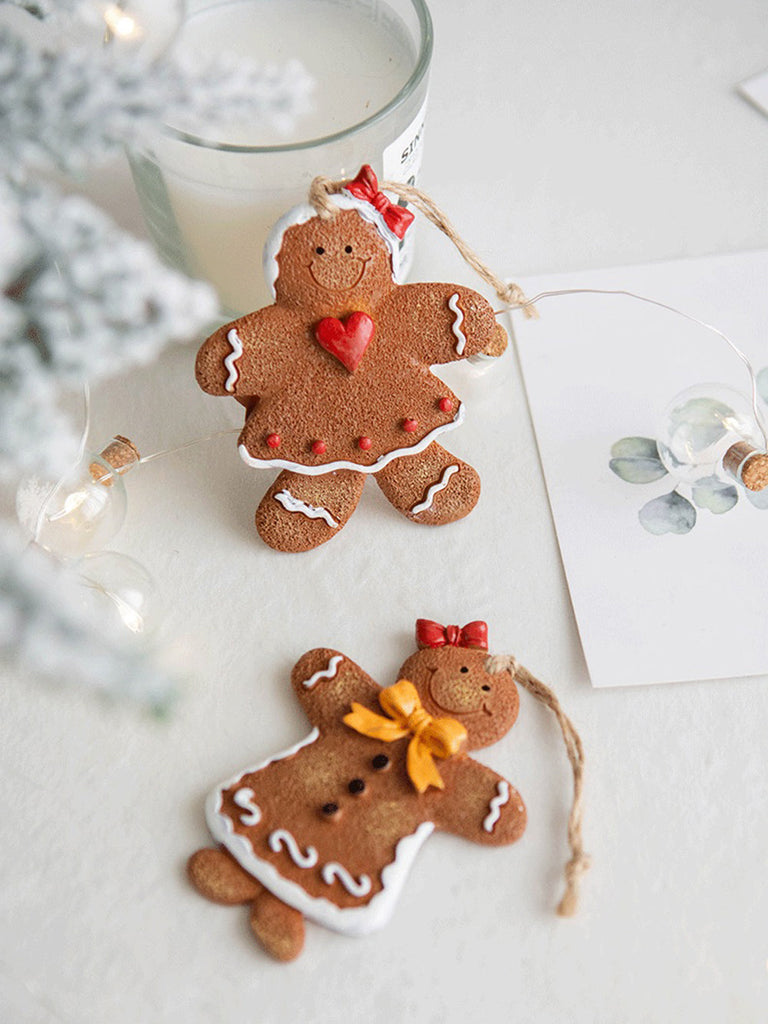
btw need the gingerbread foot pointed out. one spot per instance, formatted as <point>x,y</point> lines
<point>433,487</point>
<point>278,927</point>
<point>300,512</point>
<point>218,877</point>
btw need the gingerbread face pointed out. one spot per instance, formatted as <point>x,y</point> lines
<point>453,682</point>
<point>333,266</point>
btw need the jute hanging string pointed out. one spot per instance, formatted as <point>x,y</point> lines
<point>321,190</point>
<point>579,862</point>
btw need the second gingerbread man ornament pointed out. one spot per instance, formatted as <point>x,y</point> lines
<point>335,375</point>
<point>328,830</point>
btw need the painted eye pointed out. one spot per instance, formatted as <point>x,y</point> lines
<point>319,250</point>
<point>486,687</point>
<point>347,248</point>
<point>464,669</point>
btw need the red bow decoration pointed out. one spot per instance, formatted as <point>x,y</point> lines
<point>366,187</point>
<point>432,634</point>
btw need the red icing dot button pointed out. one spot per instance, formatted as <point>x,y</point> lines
<point>318,447</point>
<point>409,426</point>
<point>446,405</point>
<point>273,440</point>
<point>364,443</point>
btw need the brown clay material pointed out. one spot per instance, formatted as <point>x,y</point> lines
<point>432,488</point>
<point>298,512</point>
<point>315,397</point>
<point>278,927</point>
<point>345,800</point>
<point>219,878</point>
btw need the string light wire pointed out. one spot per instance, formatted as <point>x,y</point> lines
<point>554,293</point>
<point>672,309</point>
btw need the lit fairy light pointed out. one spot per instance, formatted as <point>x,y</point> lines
<point>121,24</point>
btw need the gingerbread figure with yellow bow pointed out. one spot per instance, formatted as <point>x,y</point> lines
<point>329,829</point>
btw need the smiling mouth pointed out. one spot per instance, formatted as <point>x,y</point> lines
<point>345,288</point>
<point>483,709</point>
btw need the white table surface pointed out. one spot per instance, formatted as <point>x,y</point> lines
<point>560,136</point>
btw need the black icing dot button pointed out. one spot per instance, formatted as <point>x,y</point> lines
<point>380,762</point>
<point>329,809</point>
<point>356,786</point>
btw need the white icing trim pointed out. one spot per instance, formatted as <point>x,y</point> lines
<point>349,920</point>
<point>502,788</point>
<point>244,798</point>
<point>329,467</point>
<point>303,212</point>
<point>213,803</point>
<point>357,887</point>
<point>459,335</point>
<point>229,362</point>
<point>293,504</point>
<point>324,673</point>
<point>441,484</point>
<point>281,837</point>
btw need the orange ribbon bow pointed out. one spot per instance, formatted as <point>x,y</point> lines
<point>431,737</point>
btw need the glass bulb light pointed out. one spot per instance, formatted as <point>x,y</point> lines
<point>83,510</point>
<point>120,592</point>
<point>699,428</point>
<point>76,514</point>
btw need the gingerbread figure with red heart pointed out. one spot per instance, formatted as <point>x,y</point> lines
<point>335,375</point>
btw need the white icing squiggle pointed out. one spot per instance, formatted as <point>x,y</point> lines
<point>325,673</point>
<point>358,467</point>
<point>244,798</point>
<point>459,335</point>
<point>441,484</point>
<point>293,504</point>
<point>282,837</point>
<point>355,886</point>
<point>502,788</point>
<point>229,362</point>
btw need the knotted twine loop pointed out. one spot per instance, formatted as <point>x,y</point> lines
<point>580,861</point>
<point>321,190</point>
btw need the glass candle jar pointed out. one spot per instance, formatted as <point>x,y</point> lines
<point>209,203</point>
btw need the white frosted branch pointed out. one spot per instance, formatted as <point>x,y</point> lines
<point>45,629</point>
<point>69,108</point>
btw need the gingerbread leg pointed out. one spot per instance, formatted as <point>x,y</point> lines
<point>278,927</point>
<point>433,487</point>
<point>301,512</point>
<point>218,877</point>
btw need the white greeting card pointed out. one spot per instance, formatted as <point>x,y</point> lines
<point>755,89</point>
<point>650,606</point>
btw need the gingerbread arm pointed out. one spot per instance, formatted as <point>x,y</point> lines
<point>441,323</point>
<point>247,357</point>
<point>479,805</point>
<point>326,682</point>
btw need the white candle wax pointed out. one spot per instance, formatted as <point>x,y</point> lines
<point>210,210</point>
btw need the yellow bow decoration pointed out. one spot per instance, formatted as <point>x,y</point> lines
<point>432,737</point>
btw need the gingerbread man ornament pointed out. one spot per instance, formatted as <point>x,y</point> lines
<point>335,375</point>
<point>328,830</point>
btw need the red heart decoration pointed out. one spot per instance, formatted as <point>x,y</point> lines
<point>347,340</point>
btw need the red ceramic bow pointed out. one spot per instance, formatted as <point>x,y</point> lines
<point>366,187</point>
<point>432,634</point>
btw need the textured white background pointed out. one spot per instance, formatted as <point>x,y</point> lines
<point>561,136</point>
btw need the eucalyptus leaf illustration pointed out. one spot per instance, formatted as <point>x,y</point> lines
<point>636,460</point>
<point>762,383</point>
<point>671,513</point>
<point>714,495</point>
<point>758,498</point>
